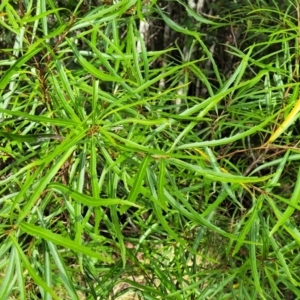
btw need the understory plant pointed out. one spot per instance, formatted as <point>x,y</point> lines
<point>128,169</point>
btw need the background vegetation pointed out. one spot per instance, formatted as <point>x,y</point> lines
<point>149,149</point>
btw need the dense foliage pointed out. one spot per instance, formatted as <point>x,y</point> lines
<point>149,149</point>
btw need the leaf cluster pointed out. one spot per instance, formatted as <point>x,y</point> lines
<point>165,173</point>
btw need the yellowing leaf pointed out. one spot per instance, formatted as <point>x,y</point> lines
<point>287,122</point>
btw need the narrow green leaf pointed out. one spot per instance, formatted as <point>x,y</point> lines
<point>113,185</point>
<point>9,75</point>
<point>247,225</point>
<point>69,92</point>
<point>137,183</point>
<point>5,288</point>
<point>88,200</point>
<point>290,210</point>
<point>48,270</point>
<point>253,252</point>
<point>111,70</point>
<point>40,119</point>
<point>141,121</point>
<point>29,138</point>
<point>59,262</point>
<point>216,176</point>
<point>64,275</point>
<point>20,274</point>
<point>43,183</point>
<point>37,279</point>
<point>59,240</point>
<point>91,68</point>
<point>196,16</point>
<point>227,140</point>
<point>93,168</point>
<point>28,19</point>
<point>132,42</point>
<point>161,184</point>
